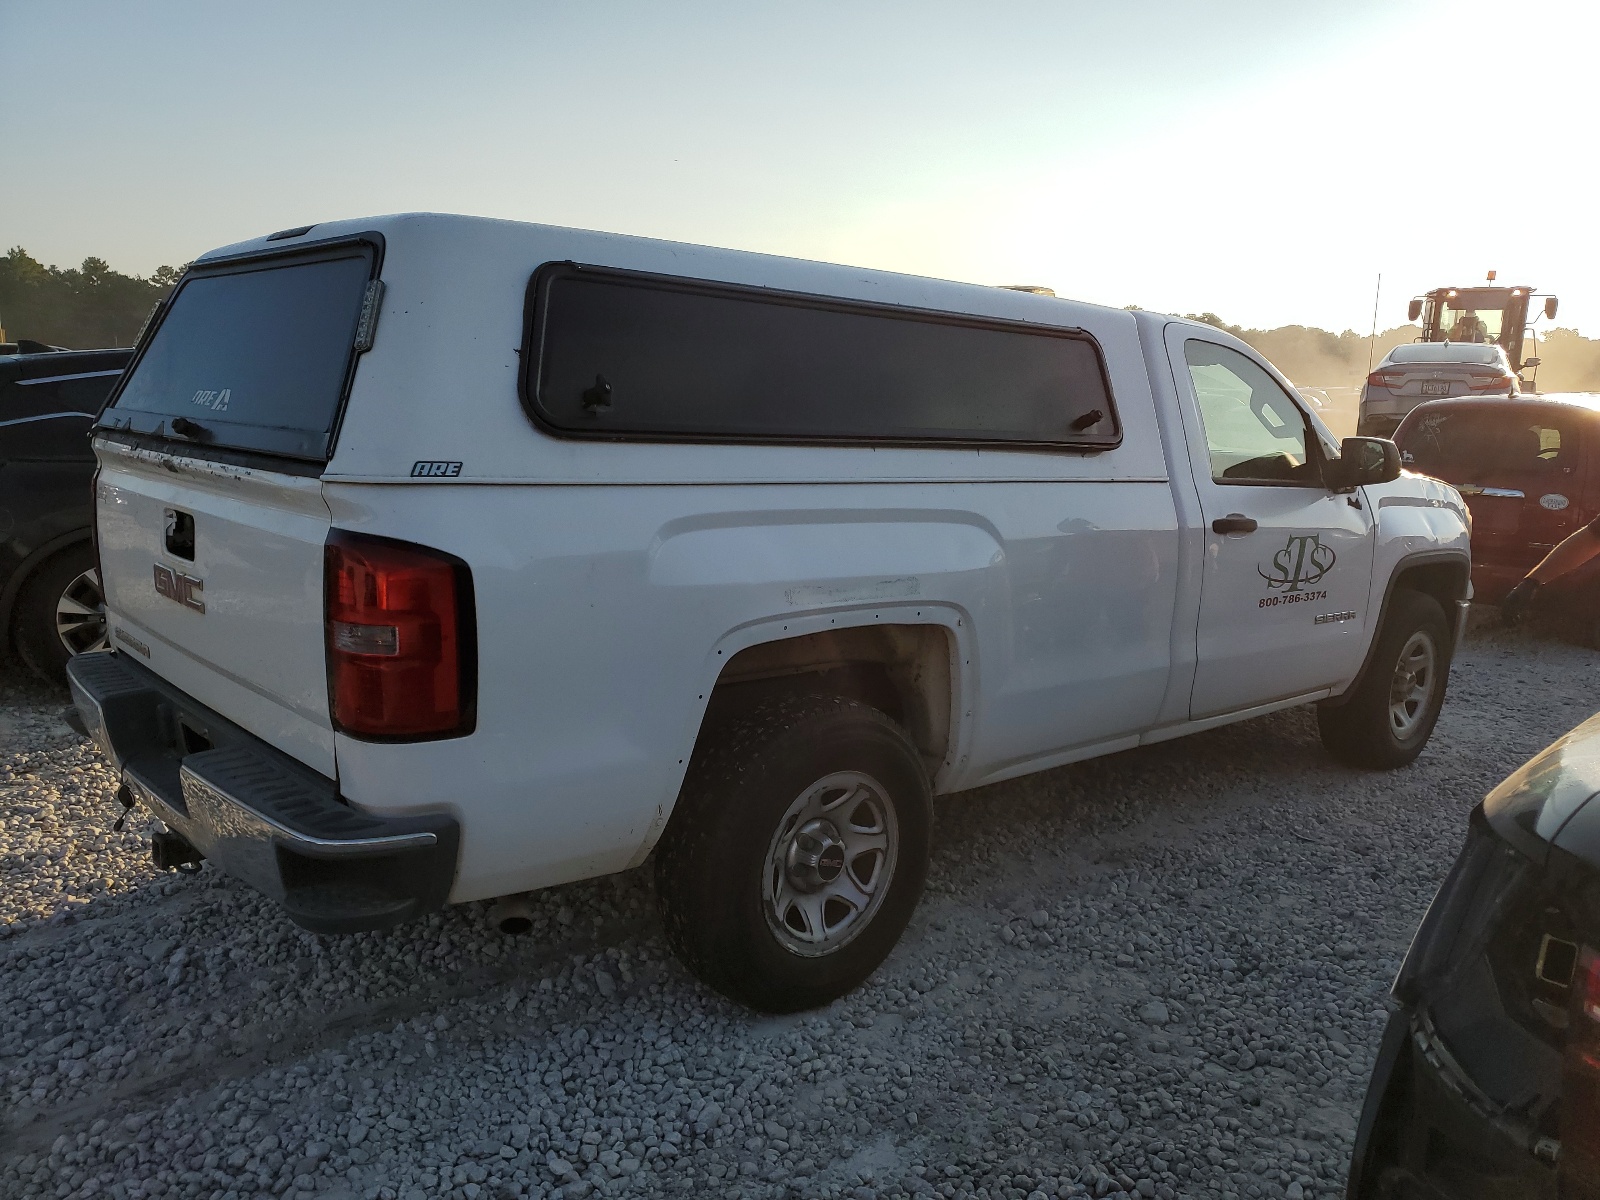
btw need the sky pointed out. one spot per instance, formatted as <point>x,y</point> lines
<point>1261,159</point>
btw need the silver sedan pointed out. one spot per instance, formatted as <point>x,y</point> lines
<point>1418,371</point>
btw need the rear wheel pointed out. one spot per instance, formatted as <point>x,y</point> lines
<point>797,851</point>
<point>1391,715</point>
<point>60,612</point>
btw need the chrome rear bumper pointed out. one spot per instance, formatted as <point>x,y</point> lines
<point>255,812</point>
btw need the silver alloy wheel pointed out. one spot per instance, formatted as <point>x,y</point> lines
<point>829,863</point>
<point>81,614</point>
<point>1412,688</point>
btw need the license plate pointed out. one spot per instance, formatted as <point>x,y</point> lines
<point>1439,387</point>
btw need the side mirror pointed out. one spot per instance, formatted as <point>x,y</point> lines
<point>1363,460</point>
<point>1550,303</point>
<point>1530,364</point>
<point>1414,311</point>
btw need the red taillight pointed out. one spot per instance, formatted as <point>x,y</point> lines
<point>398,626</point>
<point>1586,985</point>
<point>1497,382</point>
<point>1384,379</point>
<point>1580,1084</point>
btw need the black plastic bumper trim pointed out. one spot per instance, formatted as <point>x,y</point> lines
<point>1459,625</point>
<point>1426,1125</point>
<point>1391,1053</point>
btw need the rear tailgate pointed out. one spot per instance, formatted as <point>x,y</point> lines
<point>238,625</point>
<point>210,514</point>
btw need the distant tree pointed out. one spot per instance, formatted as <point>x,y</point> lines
<point>84,307</point>
<point>1216,322</point>
<point>1568,361</point>
<point>1338,362</point>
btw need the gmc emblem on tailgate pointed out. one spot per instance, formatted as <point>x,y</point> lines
<point>185,589</point>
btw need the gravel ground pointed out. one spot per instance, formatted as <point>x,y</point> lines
<point>1157,974</point>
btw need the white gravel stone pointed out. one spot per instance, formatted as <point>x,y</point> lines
<point>1154,1013</point>
<point>178,1037</point>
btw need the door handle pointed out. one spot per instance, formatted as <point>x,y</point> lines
<point>1234,523</point>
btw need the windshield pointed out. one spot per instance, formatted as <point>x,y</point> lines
<point>1439,352</point>
<point>1462,324</point>
<point>252,358</point>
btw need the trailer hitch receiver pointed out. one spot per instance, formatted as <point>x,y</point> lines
<point>169,851</point>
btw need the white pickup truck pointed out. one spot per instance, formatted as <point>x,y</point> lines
<point>447,559</point>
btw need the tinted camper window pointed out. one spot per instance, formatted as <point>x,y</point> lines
<point>618,354</point>
<point>254,356</point>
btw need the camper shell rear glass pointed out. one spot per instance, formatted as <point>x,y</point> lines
<point>253,354</point>
<point>627,355</point>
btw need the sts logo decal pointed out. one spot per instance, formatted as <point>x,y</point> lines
<point>1302,563</point>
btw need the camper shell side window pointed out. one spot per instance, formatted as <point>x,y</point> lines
<point>627,355</point>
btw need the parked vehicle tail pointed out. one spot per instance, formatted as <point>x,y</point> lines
<point>1529,469</point>
<point>1487,1082</point>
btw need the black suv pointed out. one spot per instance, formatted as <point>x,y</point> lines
<point>1487,1084</point>
<point>50,601</point>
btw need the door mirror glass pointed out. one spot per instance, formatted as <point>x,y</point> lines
<point>1414,310</point>
<point>1530,364</point>
<point>1363,460</point>
<point>1550,303</point>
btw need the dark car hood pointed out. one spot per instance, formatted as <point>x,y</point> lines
<point>1549,800</point>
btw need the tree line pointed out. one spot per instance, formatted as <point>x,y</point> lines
<point>92,305</point>
<point>1568,361</point>
<point>81,308</point>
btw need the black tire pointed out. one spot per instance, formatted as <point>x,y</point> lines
<point>1363,730</point>
<point>734,815</point>
<point>34,618</point>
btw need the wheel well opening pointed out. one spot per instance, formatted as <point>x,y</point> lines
<point>1446,582</point>
<point>902,670</point>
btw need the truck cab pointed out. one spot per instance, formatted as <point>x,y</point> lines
<point>1486,314</point>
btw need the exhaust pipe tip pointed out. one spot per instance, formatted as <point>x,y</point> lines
<point>511,915</point>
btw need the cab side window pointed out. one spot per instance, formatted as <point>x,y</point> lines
<point>1254,432</point>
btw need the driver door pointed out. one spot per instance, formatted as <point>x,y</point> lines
<point>1288,563</point>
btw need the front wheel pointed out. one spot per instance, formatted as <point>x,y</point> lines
<point>1388,719</point>
<point>797,851</point>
